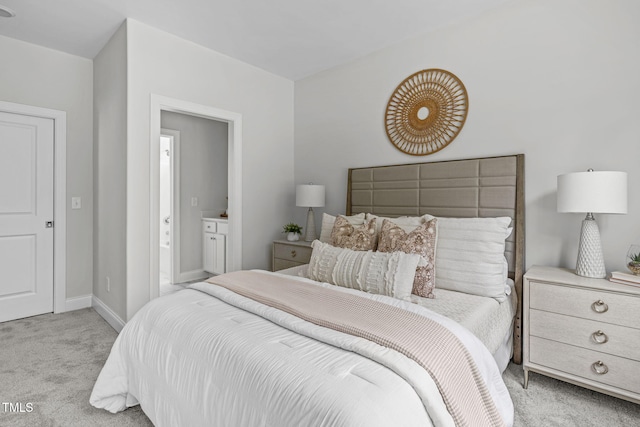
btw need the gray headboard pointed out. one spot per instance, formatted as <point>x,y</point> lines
<point>482,187</point>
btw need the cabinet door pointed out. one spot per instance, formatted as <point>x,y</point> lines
<point>219,253</point>
<point>208,252</point>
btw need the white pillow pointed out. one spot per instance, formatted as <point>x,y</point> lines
<point>385,273</point>
<point>470,256</point>
<point>327,224</point>
<point>407,223</point>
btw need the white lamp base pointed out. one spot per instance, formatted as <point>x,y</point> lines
<point>590,260</point>
<point>310,233</point>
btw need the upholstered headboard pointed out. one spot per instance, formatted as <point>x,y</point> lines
<point>482,187</point>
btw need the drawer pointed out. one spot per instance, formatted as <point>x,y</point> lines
<point>223,228</point>
<point>281,264</point>
<point>209,226</point>
<point>622,373</point>
<point>615,340</point>
<point>580,302</point>
<point>300,254</point>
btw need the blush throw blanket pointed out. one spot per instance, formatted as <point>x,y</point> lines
<point>420,338</point>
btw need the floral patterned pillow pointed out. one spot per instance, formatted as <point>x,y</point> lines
<point>355,237</point>
<point>421,241</point>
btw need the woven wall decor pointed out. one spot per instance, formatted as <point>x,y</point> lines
<point>426,112</point>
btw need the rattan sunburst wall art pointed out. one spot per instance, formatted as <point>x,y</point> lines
<point>426,112</point>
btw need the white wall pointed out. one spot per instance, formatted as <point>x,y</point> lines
<point>203,174</point>
<point>557,81</point>
<point>47,78</point>
<point>163,64</point>
<point>110,165</point>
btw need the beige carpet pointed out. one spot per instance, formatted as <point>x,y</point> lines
<point>52,362</point>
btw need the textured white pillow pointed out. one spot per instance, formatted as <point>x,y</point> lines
<point>327,225</point>
<point>385,273</point>
<point>470,256</point>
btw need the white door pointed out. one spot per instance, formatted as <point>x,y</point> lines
<point>219,252</point>
<point>26,206</point>
<point>208,252</point>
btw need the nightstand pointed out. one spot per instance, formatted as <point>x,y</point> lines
<point>288,254</point>
<point>582,331</point>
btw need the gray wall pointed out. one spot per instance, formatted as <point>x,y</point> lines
<point>155,62</point>
<point>163,64</point>
<point>557,81</point>
<point>110,165</point>
<point>47,78</point>
<point>203,174</point>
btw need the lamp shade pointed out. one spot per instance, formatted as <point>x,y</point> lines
<point>310,195</point>
<point>593,192</point>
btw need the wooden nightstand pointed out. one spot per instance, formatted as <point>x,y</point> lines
<point>288,254</point>
<point>582,331</point>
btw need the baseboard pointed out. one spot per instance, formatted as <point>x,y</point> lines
<point>107,314</point>
<point>189,276</point>
<point>77,303</point>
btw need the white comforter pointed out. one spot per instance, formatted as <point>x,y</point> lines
<point>207,356</point>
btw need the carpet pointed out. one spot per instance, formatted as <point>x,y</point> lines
<point>52,361</point>
<point>549,402</point>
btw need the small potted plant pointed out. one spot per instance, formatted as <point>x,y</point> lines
<point>293,231</point>
<point>633,259</point>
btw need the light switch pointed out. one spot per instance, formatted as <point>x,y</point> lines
<point>76,203</point>
<point>194,201</point>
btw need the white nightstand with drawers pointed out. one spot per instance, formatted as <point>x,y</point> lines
<point>582,331</point>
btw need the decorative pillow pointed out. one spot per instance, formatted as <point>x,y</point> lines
<point>382,273</point>
<point>421,241</point>
<point>327,224</point>
<point>357,237</point>
<point>470,256</point>
<point>407,223</point>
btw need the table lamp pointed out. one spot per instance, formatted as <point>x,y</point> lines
<point>311,196</point>
<point>592,192</point>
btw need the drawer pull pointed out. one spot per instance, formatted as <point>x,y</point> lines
<point>293,254</point>
<point>599,368</point>
<point>599,306</point>
<point>599,337</point>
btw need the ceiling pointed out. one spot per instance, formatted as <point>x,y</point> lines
<point>291,38</point>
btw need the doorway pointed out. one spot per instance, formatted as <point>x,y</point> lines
<point>169,214</point>
<point>200,192</point>
<point>233,129</point>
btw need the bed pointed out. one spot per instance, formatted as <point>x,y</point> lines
<point>492,322</point>
<point>482,187</point>
<point>257,348</point>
